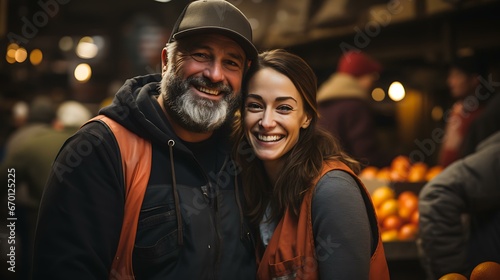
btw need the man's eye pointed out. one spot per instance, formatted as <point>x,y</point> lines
<point>200,57</point>
<point>232,65</point>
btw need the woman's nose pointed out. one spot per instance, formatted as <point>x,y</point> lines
<point>267,120</point>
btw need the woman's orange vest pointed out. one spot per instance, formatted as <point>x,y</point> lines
<point>291,253</point>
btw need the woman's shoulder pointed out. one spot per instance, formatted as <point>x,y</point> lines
<point>336,182</point>
<point>338,197</point>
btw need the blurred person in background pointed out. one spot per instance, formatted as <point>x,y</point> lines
<point>186,221</point>
<point>483,126</point>
<point>20,113</point>
<point>464,81</point>
<point>344,107</point>
<point>32,160</point>
<point>16,117</point>
<point>34,156</point>
<point>460,214</point>
<point>41,114</point>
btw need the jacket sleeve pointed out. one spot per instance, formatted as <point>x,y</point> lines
<point>468,186</point>
<point>483,126</point>
<point>81,210</point>
<point>341,228</point>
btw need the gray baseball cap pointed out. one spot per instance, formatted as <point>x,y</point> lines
<point>206,16</point>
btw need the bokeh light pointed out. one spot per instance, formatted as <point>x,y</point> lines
<point>21,55</point>
<point>437,113</point>
<point>86,48</point>
<point>36,56</point>
<point>396,91</point>
<point>83,72</point>
<point>10,56</point>
<point>66,43</point>
<point>378,94</point>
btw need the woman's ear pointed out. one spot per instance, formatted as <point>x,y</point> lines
<point>306,123</point>
<point>164,61</point>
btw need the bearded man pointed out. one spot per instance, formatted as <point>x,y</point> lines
<point>188,223</point>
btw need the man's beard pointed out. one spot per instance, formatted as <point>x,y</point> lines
<point>192,112</point>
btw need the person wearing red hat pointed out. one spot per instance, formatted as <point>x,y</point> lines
<point>344,106</point>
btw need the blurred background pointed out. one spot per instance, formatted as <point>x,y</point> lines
<point>84,50</point>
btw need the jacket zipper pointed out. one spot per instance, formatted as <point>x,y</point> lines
<point>217,220</point>
<point>213,204</point>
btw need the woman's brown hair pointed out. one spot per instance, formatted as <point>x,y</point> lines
<point>303,162</point>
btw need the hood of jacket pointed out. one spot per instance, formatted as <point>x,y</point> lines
<point>340,85</point>
<point>135,107</point>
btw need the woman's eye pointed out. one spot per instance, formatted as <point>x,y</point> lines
<point>253,106</point>
<point>285,108</point>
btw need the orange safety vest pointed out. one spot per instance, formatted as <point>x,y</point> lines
<point>136,155</point>
<point>291,253</point>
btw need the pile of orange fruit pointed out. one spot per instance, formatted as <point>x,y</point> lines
<point>402,170</point>
<point>484,271</point>
<point>396,215</point>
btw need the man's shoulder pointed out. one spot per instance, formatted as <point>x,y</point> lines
<point>95,128</point>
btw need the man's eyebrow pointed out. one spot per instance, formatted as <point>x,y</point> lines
<point>236,56</point>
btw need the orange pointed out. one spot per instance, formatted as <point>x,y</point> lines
<point>408,232</point>
<point>407,194</point>
<point>405,213</point>
<point>392,222</point>
<point>389,235</point>
<point>407,204</point>
<point>401,162</point>
<point>398,175</point>
<point>414,218</point>
<point>400,166</point>
<point>433,172</point>
<point>383,174</point>
<point>453,276</point>
<point>408,200</point>
<point>486,271</point>
<point>388,208</point>
<point>417,172</point>
<point>368,172</point>
<point>381,194</point>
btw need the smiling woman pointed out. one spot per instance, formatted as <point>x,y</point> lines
<point>300,186</point>
<point>274,115</point>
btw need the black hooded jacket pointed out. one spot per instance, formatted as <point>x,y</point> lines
<point>82,208</point>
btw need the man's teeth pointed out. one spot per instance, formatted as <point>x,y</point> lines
<point>208,91</point>
<point>268,138</point>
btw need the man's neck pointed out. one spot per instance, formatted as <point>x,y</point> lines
<point>184,134</point>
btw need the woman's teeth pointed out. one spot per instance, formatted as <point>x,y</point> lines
<point>269,138</point>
